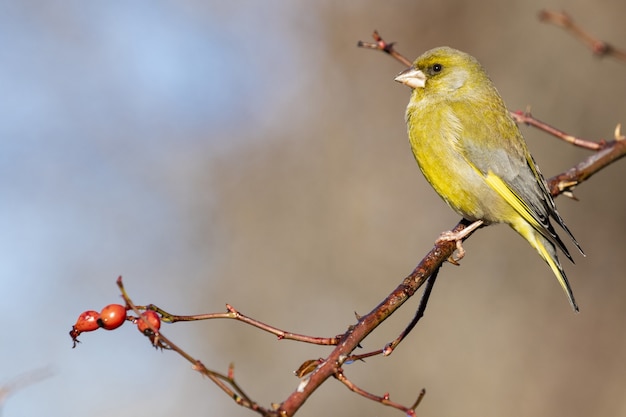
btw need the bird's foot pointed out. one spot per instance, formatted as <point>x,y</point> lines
<point>457,237</point>
<point>450,236</point>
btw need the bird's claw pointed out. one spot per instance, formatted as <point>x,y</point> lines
<point>457,237</point>
<point>450,236</point>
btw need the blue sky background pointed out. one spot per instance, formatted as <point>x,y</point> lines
<point>98,103</point>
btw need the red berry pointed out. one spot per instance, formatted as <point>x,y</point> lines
<point>151,317</point>
<point>112,316</point>
<point>87,321</point>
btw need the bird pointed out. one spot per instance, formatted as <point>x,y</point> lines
<point>473,154</point>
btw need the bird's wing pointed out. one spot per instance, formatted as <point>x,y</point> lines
<point>508,168</point>
<point>536,218</point>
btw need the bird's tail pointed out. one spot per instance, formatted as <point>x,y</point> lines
<point>547,251</point>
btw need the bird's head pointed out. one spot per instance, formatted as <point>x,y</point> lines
<point>444,72</point>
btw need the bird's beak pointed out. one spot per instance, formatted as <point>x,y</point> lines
<point>412,77</point>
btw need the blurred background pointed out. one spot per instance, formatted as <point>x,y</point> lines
<point>248,152</point>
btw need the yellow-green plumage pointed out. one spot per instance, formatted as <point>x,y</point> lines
<point>473,154</point>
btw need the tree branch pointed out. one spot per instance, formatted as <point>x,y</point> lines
<point>528,119</point>
<point>384,399</point>
<point>598,47</point>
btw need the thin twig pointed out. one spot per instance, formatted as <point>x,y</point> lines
<point>598,47</point>
<point>384,399</point>
<point>380,45</point>
<point>234,314</point>
<point>387,350</point>
<point>568,180</point>
<point>528,119</point>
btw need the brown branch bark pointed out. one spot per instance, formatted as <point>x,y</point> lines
<point>383,399</point>
<point>528,119</point>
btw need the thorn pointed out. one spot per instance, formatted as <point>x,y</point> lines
<point>571,195</point>
<point>567,186</point>
<point>618,132</point>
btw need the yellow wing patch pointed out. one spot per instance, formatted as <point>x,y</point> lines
<point>505,192</point>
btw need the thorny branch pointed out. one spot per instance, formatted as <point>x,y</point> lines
<point>314,372</point>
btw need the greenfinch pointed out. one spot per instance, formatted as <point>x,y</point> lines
<point>473,154</point>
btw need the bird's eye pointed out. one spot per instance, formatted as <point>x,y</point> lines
<point>437,68</point>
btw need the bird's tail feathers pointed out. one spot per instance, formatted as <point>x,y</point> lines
<point>555,214</point>
<point>547,251</point>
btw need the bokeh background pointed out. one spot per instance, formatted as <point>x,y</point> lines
<point>247,152</point>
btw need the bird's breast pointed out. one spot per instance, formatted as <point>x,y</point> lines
<point>437,141</point>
